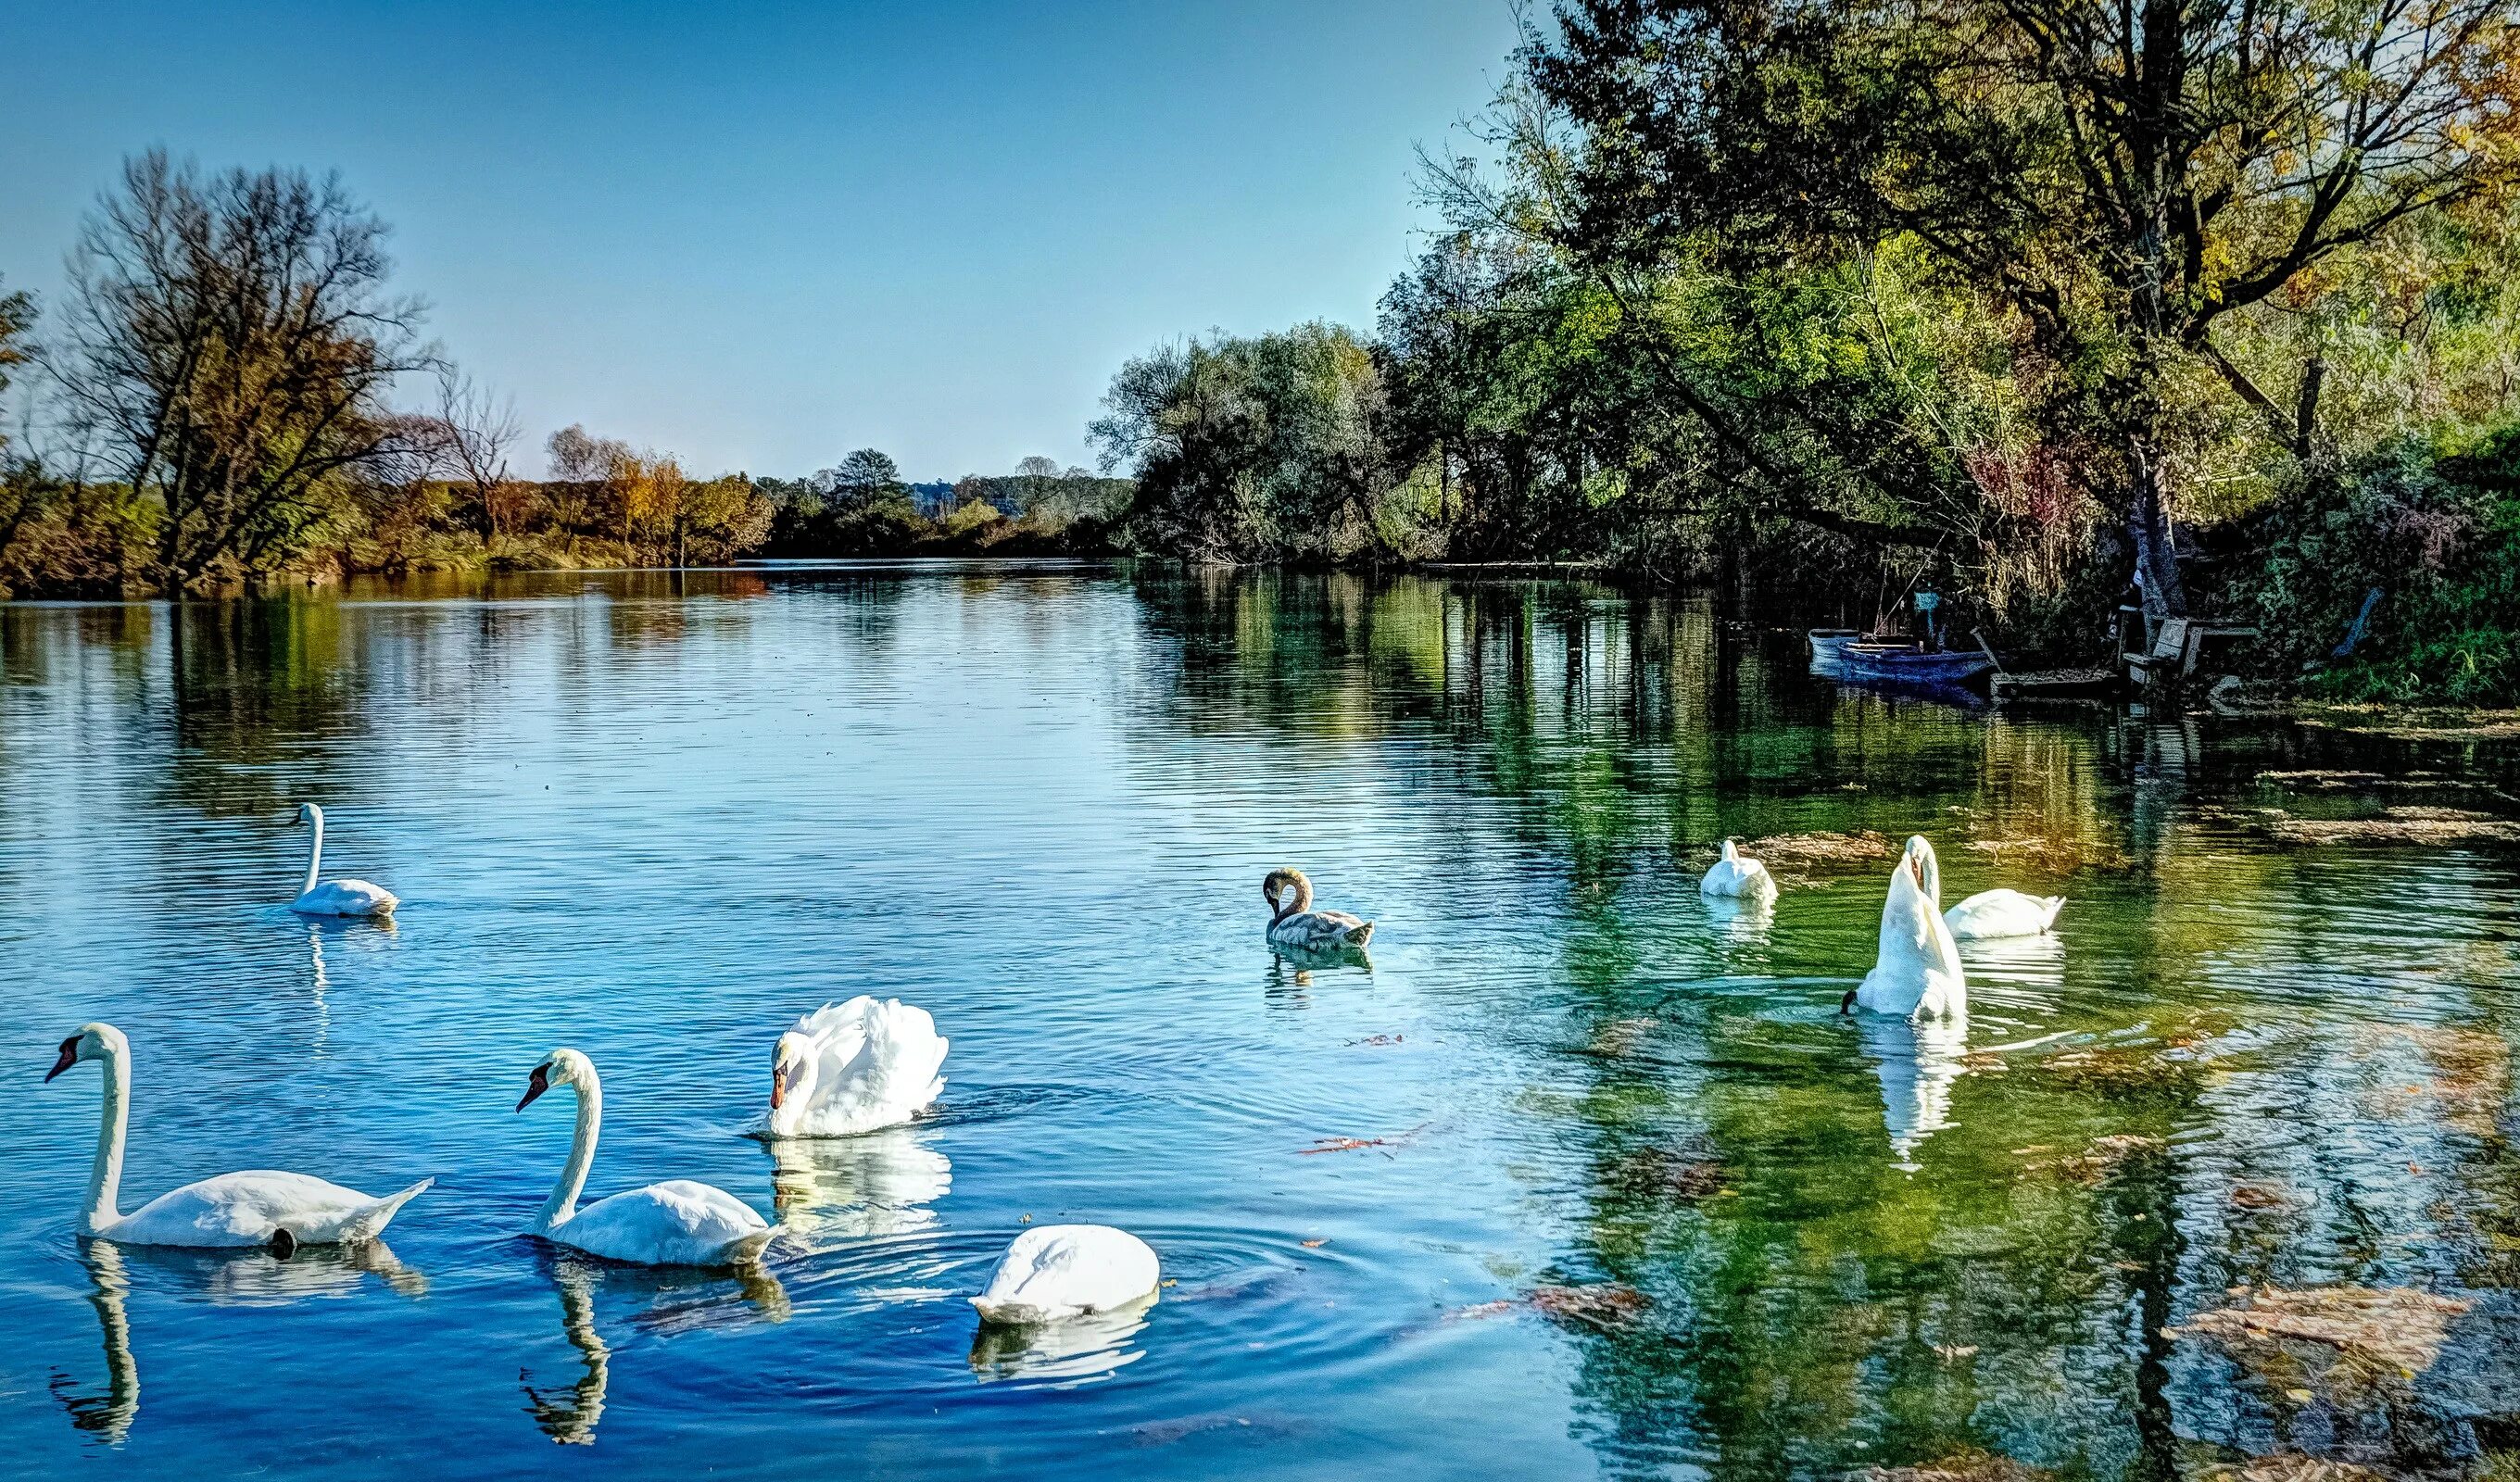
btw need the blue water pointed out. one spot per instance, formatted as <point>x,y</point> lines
<point>655,818</point>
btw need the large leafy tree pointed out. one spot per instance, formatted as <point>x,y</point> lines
<point>2118,178</point>
<point>229,344</point>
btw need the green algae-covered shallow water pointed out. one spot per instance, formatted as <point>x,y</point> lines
<point>1583,1177</point>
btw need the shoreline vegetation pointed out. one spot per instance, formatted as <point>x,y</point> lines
<point>2055,309</point>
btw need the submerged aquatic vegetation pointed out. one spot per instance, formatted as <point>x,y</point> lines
<point>1619,1037</point>
<point>2392,825</point>
<point>2346,1336</point>
<point>1688,1174</point>
<point>1822,851</point>
<point>1601,1306</point>
<point>2121,1070</point>
<point>2471,1081</point>
<point>1962,1467</point>
<point>2293,1466</point>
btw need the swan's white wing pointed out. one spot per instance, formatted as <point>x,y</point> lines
<point>345,898</point>
<point>1738,876</point>
<point>1316,930</point>
<point>676,1223</point>
<point>241,1209</point>
<point>1063,1270</point>
<point>2003,913</point>
<point>876,1066</point>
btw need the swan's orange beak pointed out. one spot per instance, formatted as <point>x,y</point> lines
<point>69,1057</point>
<point>540,1083</point>
<point>778,1086</point>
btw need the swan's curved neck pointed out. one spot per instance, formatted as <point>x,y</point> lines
<point>1294,897</point>
<point>561,1207</point>
<point>315,851</point>
<point>105,1180</point>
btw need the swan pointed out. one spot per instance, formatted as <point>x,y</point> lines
<point>1918,971</point>
<point>335,897</point>
<point>678,1223</point>
<point>280,1211</point>
<point>853,1068</point>
<point>2003,913</point>
<point>1294,924</point>
<point>1737,874</point>
<point>1054,1272</point>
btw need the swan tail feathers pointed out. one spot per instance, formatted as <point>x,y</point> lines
<point>2055,905</point>
<point>372,1221</point>
<point>1358,935</point>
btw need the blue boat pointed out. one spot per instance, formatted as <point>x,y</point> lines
<point>1839,654</point>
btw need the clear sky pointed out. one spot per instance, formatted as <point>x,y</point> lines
<point>762,234</point>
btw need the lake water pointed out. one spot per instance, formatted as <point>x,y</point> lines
<point>1580,1177</point>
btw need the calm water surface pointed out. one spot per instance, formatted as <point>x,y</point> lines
<point>655,818</point>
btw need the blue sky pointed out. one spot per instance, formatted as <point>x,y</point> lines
<point>762,234</point>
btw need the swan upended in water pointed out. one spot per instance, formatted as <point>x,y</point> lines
<point>1738,875</point>
<point>1991,914</point>
<point>852,1067</point>
<point>676,1223</point>
<point>1055,1272</point>
<point>1917,972</point>
<point>335,897</point>
<point>1294,924</point>
<point>280,1211</point>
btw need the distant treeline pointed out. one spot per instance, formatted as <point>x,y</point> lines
<point>223,400</point>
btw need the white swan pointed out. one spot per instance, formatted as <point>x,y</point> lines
<point>2003,913</point>
<point>1916,973</point>
<point>1054,1272</point>
<point>335,897</point>
<point>233,1211</point>
<point>852,1067</point>
<point>1294,924</point>
<point>678,1223</point>
<point>1737,875</point>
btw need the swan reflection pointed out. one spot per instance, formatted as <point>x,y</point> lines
<point>1740,920</point>
<point>106,1416</point>
<point>1061,1355</point>
<point>256,1279</point>
<point>1318,959</point>
<point>681,1301</point>
<point>1918,1063</point>
<point>2028,961</point>
<point>828,1191</point>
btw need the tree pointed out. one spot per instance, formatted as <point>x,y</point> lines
<point>229,346</point>
<point>1265,446</point>
<point>1035,484</point>
<point>589,476</point>
<point>474,433</point>
<point>864,478</point>
<point>2117,177</point>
